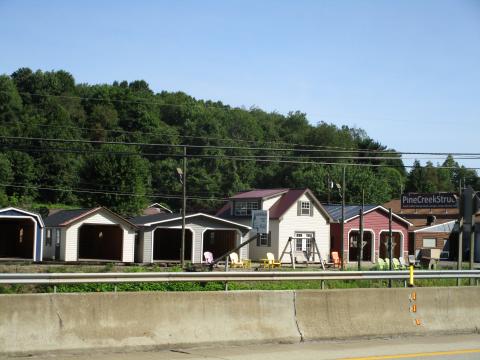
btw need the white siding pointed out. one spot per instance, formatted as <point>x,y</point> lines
<point>267,204</point>
<point>63,244</point>
<point>70,235</point>
<point>292,223</point>
<point>147,243</point>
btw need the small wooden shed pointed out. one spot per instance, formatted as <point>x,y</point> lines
<point>21,234</point>
<point>160,237</point>
<point>96,234</point>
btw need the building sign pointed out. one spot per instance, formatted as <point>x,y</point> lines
<point>429,201</point>
<point>260,221</point>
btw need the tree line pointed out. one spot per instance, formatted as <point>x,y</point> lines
<point>235,149</point>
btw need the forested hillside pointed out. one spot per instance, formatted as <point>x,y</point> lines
<point>114,145</point>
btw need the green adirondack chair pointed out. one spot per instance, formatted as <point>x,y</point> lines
<point>396,264</point>
<point>380,264</point>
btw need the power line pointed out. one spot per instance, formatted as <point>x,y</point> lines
<point>75,97</point>
<point>207,138</point>
<point>103,142</point>
<point>257,158</point>
<point>159,154</point>
<point>93,191</point>
<point>225,107</point>
<point>204,138</point>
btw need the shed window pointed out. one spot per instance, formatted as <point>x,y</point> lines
<point>264,240</point>
<point>244,208</point>
<point>20,235</point>
<point>305,208</point>
<point>49,237</point>
<point>429,243</point>
<point>57,236</point>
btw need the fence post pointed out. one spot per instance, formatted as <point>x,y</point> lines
<point>411,282</point>
<point>226,270</point>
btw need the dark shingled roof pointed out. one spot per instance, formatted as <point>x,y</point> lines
<point>65,216</point>
<point>259,194</point>
<point>145,219</point>
<point>335,211</point>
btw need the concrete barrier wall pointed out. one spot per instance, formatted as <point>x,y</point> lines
<point>46,322</point>
<point>41,322</point>
<point>387,312</point>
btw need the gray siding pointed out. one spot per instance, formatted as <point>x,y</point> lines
<point>198,225</point>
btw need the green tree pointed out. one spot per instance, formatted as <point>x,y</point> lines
<point>24,173</point>
<point>6,177</point>
<point>110,173</point>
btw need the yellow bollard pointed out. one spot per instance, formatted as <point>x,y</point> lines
<point>411,276</point>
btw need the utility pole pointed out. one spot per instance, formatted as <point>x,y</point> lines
<point>468,214</point>
<point>328,190</point>
<point>184,206</point>
<point>460,247</point>
<point>460,231</point>
<point>390,252</point>
<point>343,219</point>
<point>360,242</point>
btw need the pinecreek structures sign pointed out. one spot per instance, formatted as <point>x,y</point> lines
<point>429,201</point>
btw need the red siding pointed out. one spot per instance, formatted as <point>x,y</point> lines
<point>375,221</point>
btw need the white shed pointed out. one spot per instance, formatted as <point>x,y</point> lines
<point>160,237</point>
<point>89,234</point>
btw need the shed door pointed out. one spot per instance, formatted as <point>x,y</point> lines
<point>57,244</point>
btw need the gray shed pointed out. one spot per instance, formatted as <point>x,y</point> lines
<point>159,237</point>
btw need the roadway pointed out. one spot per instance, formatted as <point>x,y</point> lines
<point>452,347</point>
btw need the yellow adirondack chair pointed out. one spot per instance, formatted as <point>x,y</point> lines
<point>272,262</point>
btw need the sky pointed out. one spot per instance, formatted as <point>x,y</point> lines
<point>407,72</point>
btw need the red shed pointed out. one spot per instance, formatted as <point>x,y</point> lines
<point>375,223</point>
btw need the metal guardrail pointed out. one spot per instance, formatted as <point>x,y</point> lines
<point>117,278</point>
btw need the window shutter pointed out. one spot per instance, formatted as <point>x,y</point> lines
<point>258,239</point>
<point>269,239</point>
<point>311,208</point>
<point>299,208</point>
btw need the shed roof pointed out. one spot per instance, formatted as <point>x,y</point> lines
<point>23,212</point>
<point>69,217</point>
<point>154,219</point>
<point>353,211</point>
<point>144,219</point>
<point>160,206</point>
<point>446,227</point>
<point>259,194</point>
<point>279,208</point>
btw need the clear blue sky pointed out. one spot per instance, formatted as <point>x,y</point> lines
<point>408,72</point>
